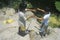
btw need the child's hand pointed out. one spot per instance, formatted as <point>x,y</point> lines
<point>40,19</point>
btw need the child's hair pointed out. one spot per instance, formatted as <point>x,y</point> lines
<point>22,6</point>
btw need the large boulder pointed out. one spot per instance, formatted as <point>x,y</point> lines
<point>10,11</point>
<point>5,13</point>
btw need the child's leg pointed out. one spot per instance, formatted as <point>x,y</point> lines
<point>41,31</point>
<point>45,27</point>
<point>42,25</point>
<point>22,24</point>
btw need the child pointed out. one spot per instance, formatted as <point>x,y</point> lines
<point>45,21</point>
<point>22,17</point>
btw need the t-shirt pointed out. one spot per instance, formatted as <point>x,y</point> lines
<point>22,15</point>
<point>46,18</point>
<point>22,18</point>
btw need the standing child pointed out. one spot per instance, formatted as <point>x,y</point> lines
<point>22,17</point>
<point>45,21</point>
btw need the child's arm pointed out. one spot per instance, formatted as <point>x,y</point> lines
<point>40,19</point>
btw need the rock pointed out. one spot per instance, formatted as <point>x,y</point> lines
<point>6,13</point>
<point>10,11</point>
<point>10,31</point>
<point>28,14</point>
